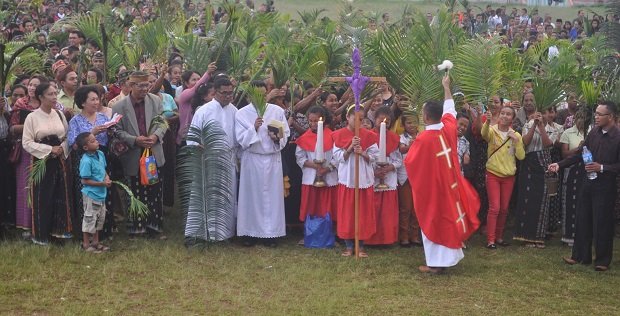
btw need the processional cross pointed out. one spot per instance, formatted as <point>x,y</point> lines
<point>357,82</point>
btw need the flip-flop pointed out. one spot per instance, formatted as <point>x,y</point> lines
<point>347,253</point>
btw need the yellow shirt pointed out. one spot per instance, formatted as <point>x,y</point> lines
<point>503,162</point>
<point>67,101</point>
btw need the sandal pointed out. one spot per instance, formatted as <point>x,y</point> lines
<point>363,254</point>
<point>491,246</point>
<point>100,247</point>
<point>90,249</point>
<point>347,253</point>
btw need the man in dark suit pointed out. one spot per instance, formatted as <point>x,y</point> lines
<point>595,209</point>
<point>139,129</point>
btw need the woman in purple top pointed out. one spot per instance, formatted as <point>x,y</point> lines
<point>87,99</point>
<point>185,105</point>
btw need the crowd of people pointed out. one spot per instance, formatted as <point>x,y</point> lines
<point>89,135</point>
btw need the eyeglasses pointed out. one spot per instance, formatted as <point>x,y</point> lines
<point>228,93</point>
<point>143,85</point>
<point>601,114</point>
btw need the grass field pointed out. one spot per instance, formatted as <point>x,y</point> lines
<point>395,7</point>
<point>164,278</point>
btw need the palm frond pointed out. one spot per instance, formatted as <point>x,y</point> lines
<point>434,43</point>
<point>36,172</point>
<point>514,73</point>
<point>136,209</point>
<point>547,93</point>
<point>422,84</point>
<point>310,18</point>
<point>479,70</point>
<point>158,121</point>
<point>154,39</point>
<point>206,183</point>
<point>590,93</point>
<point>611,29</point>
<point>195,51</point>
<point>234,13</point>
<point>86,23</point>
<point>19,56</point>
<point>256,97</point>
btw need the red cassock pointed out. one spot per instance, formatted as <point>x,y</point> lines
<point>446,204</point>
<point>317,201</point>
<point>386,203</point>
<point>346,195</point>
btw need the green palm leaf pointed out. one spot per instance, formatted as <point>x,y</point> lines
<point>195,51</point>
<point>514,73</point>
<point>547,93</point>
<point>479,70</point>
<point>256,97</point>
<point>136,208</point>
<point>590,93</point>
<point>36,172</point>
<point>206,183</point>
<point>86,23</point>
<point>19,56</point>
<point>154,40</point>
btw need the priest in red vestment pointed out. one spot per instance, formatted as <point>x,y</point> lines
<point>446,204</point>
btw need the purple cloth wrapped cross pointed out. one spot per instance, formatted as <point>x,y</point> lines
<point>357,81</point>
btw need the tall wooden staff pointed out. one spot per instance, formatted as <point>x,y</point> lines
<point>357,82</point>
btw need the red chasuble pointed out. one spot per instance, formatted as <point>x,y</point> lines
<point>446,204</point>
<point>307,141</point>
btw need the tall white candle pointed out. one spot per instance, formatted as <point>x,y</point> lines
<point>382,144</point>
<point>319,154</point>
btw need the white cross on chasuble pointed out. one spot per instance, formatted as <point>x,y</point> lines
<point>445,152</point>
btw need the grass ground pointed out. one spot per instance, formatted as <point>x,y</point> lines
<point>164,278</point>
<point>395,7</point>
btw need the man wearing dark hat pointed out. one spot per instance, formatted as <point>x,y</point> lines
<point>139,131</point>
<point>120,89</point>
<point>97,61</point>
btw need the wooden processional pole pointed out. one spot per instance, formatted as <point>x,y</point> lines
<point>357,82</point>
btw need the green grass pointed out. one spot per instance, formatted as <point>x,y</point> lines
<point>164,278</point>
<point>395,7</point>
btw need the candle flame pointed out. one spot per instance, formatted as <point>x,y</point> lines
<point>384,120</point>
<point>320,119</point>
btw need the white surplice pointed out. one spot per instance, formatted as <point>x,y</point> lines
<point>346,167</point>
<point>395,158</point>
<point>309,174</point>
<point>439,256</point>
<point>225,117</point>
<point>261,184</point>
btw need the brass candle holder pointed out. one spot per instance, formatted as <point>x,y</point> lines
<point>319,182</point>
<point>382,185</point>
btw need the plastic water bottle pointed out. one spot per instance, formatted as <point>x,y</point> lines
<point>587,158</point>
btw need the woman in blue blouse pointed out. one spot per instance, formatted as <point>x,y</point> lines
<point>88,120</point>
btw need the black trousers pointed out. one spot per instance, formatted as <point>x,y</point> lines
<point>595,220</point>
